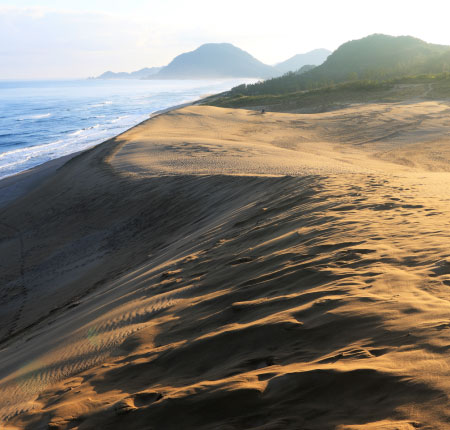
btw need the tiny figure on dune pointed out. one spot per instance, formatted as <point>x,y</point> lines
<point>263,111</point>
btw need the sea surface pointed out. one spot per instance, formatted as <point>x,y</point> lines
<point>44,120</point>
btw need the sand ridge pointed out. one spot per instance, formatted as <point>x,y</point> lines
<point>209,140</point>
<point>216,268</point>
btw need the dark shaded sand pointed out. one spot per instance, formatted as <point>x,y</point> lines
<point>222,269</point>
<point>18,185</point>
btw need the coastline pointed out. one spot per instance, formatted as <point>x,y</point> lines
<point>19,184</point>
<point>48,134</point>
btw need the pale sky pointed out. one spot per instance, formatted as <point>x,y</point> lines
<point>80,38</point>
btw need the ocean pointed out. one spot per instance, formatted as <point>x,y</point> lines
<point>44,120</point>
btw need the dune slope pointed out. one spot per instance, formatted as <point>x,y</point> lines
<point>215,268</point>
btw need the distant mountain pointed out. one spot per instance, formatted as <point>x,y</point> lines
<point>139,74</point>
<point>215,60</point>
<point>376,57</point>
<point>313,58</point>
<point>222,60</point>
<point>304,69</point>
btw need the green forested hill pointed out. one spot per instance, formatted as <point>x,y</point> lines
<point>374,58</point>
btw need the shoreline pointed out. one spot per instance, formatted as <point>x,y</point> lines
<point>19,184</point>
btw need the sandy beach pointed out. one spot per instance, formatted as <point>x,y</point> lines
<point>218,268</point>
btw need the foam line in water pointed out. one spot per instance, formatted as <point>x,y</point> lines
<point>37,116</point>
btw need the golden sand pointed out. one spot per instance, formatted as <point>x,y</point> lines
<point>225,269</point>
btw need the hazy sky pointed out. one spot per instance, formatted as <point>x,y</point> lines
<point>79,38</point>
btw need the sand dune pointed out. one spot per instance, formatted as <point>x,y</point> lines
<point>216,268</point>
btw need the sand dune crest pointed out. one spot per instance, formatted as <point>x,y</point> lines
<point>216,268</point>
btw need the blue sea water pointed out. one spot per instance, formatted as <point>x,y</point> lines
<point>44,120</point>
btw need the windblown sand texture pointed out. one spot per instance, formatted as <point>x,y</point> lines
<point>224,269</point>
